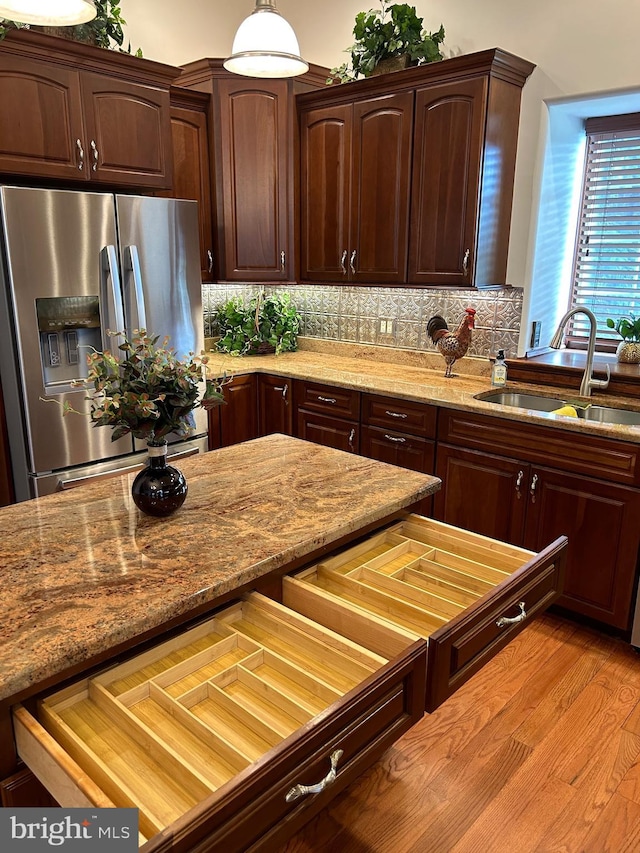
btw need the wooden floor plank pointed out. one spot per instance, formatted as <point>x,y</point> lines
<point>539,752</point>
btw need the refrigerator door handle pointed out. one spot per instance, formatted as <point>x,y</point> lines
<point>110,295</point>
<point>138,319</point>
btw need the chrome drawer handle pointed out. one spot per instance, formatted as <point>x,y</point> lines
<point>519,483</point>
<point>532,488</point>
<point>283,260</point>
<point>96,154</point>
<point>395,438</point>
<point>504,621</point>
<point>343,265</point>
<point>302,790</point>
<point>352,261</point>
<point>352,435</point>
<point>80,154</point>
<point>209,260</point>
<point>465,262</point>
<point>331,400</point>
<point>396,414</point>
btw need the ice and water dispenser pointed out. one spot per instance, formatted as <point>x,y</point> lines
<point>69,329</point>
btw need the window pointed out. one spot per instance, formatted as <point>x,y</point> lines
<point>606,269</point>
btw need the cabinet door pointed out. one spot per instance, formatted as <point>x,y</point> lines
<point>325,157</point>
<point>42,132</point>
<point>483,493</point>
<point>258,218</point>
<point>328,431</point>
<point>128,132</point>
<point>397,448</point>
<point>447,162</point>
<point>239,417</point>
<point>601,522</point>
<point>192,174</point>
<point>274,405</point>
<point>381,163</point>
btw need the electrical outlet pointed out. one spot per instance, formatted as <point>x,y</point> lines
<point>386,327</point>
<point>535,333</point>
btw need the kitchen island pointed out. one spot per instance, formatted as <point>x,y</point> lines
<point>85,574</point>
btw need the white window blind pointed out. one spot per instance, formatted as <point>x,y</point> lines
<point>606,275</point>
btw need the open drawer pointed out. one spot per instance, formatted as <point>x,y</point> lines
<point>212,734</point>
<point>215,733</point>
<point>467,594</point>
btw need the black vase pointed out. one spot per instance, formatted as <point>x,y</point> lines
<point>159,489</point>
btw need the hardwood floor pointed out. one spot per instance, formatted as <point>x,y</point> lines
<point>539,752</point>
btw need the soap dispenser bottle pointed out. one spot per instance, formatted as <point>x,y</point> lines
<point>499,371</point>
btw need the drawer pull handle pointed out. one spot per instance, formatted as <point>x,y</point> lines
<point>331,400</point>
<point>343,265</point>
<point>395,438</point>
<point>302,790</point>
<point>396,414</point>
<point>532,488</point>
<point>282,388</point>
<point>504,621</point>
<point>352,261</point>
<point>465,262</point>
<point>352,435</point>
<point>80,154</point>
<point>519,483</point>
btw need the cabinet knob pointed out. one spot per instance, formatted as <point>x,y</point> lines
<point>343,262</point>
<point>94,148</point>
<point>303,790</point>
<point>505,621</point>
<point>352,261</point>
<point>80,154</point>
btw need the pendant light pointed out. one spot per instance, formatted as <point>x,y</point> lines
<point>62,13</point>
<point>265,45</point>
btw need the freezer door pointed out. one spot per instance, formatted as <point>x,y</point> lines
<point>160,262</point>
<point>62,294</point>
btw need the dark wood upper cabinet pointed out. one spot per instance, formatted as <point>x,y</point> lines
<point>252,154</point>
<point>447,161</point>
<point>191,164</point>
<point>355,169</point>
<point>75,112</point>
<point>445,145</point>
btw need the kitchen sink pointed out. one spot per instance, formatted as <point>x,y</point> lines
<point>540,403</point>
<point>521,401</point>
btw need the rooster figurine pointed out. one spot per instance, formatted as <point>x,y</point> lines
<point>451,345</point>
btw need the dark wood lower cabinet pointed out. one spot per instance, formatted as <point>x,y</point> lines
<point>328,431</point>
<point>406,451</point>
<point>23,789</point>
<point>237,419</point>
<point>275,405</point>
<point>528,504</point>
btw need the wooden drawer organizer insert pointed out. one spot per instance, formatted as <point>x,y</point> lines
<point>426,579</point>
<point>166,729</point>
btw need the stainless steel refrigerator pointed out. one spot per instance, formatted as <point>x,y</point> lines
<point>75,265</point>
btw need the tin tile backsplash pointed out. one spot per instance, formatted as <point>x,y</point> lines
<point>386,316</point>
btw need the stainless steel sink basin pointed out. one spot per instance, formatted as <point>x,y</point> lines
<point>540,403</point>
<point>607,415</point>
<point>521,401</point>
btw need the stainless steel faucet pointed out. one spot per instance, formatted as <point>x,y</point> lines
<point>588,382</point>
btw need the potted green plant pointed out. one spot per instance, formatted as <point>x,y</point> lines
<point>388,39</point>
<point>264,324</point>
<point>146,391</point>
<point>628,327</point>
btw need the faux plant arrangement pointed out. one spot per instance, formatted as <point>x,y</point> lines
<point>148,392</point>
<point>392,32</point>
<point>264,324</point>
<point>105,30</point>
<point>628,327</point>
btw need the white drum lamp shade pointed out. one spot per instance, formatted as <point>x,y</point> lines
<point>60,13</point>
<point>266,45</point>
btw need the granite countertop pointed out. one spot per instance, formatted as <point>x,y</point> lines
<point>84,570</point>
<point>414,375</point>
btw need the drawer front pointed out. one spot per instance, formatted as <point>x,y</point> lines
<point>459,590</point>
<point>460,649</point>
<point>208,753</point>
<point>330,432</point>
<point>590,455</point>
<point>327,399</point>
<point>401,415</point>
